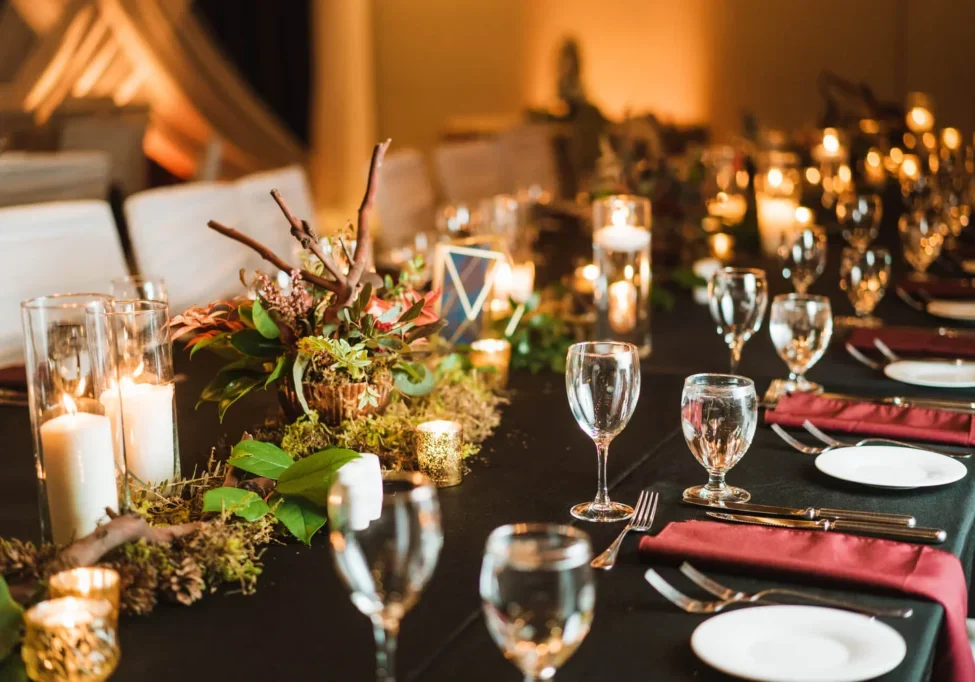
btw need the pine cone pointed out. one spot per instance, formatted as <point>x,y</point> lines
<point>18,558</point>
<point>139,583</point>
<point>184,584</point>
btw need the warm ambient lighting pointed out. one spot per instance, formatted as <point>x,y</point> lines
<point>928,140</point>
<point>873,158</point>
<point>951,138</point>
<point>804,215</point>
<point>831,141</point>
<point>919,119</point>
<point>813,176</point>
<point>775,177</point>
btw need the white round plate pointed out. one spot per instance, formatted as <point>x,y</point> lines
<point>889,466</point>
<point>953,310</point>
<point>935,373</point>
<point>798,644</point>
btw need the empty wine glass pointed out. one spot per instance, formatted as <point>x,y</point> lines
<point>800,327</point>
<point>140,288</point>
<point>864,276</point>
<point>386,561</point>
<point>718,414</point>
<point>859,214</point>
<point>804,257</point>
<point>538,594</point>
<point>922,236</point>
<point>738,298</point>
<point>602,380</point>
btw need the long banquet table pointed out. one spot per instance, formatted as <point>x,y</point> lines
<point>301,625</point>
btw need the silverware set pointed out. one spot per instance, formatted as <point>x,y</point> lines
<point>831,443</point>
<point>932,536</point>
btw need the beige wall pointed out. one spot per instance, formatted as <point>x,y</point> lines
<point>686,60</point>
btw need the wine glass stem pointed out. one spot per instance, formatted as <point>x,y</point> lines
<point>602,493</point>
<point>715,481</point>
<point>736,347</point>
<point>385,635</point>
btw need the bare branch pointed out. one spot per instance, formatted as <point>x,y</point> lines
<point>121,529</point>
<point>363,243</point>
<point>301,230</point>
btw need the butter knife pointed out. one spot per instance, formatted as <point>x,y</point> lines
<point>926,535</point>
<point>810,513</point>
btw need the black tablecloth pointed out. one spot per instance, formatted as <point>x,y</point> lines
<point>301,624</point>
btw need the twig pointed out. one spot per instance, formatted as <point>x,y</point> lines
<point>345,247</point>
<point>363,244</point>
<point>301,230</point>
<point>125,528</point>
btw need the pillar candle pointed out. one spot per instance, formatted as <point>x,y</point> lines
<point>776,220</point>
<point>147,419</point>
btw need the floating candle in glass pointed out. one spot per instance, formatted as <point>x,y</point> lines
<point>439,452</point>
<point>777,189</point>
<point>495,355</point>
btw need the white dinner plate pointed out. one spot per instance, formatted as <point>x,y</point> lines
<point>889,466</point>
<point>953,310</point>
<point>798,644</point>
<point>936,373</point>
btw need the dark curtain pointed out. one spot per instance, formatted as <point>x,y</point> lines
<point>269,41</point>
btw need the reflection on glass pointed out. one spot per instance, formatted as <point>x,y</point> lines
<point>859,214</point>
<point>864,276</point>
<point>800,327</point>
<point>140,288</point>
<point>922,236</point>
<point>804,258</point>
<point>737,298</point>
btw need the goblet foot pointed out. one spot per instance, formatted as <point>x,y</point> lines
<point>799,386</point>
<point>727,494</point>
<point>602,513</point>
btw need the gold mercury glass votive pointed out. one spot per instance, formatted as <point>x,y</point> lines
<point>90,582</point>
<point>492,354</point>
<point>70,640</point>
<point>438,450</point>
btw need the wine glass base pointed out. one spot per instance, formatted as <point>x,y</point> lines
<point>786,386</point>
<point>599,513</point>
<point>867,322</point>
<point>729,494</point>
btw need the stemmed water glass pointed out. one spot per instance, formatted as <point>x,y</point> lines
<point>864,276</point>
<point>922,236</point>
<point>801,327</point>
<point>804,257</point>
<point>386,562</point>
<point>538,594</point>
<point>859,214</point>
<point>738,298</point>
<point>140,288</point>
<point>602,380</point>
<point>718,414</point>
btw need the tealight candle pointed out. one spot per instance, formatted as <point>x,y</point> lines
<point>584,278</point>
<point>493,354</point>
<point>776,220</point>
<point>89,582</point>
<point>438,450</point>
<point>70,640</point>
<point>79,467</point>
<point>147,420</point>
<point>722,246</point>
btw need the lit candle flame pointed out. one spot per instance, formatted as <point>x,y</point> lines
<point>831,141</point>
<point>139,369</point>
<point>69,404</point>
<point>80,388</point>
<point>591,272</point>
<point>619,215</point>
<point>774,177</point>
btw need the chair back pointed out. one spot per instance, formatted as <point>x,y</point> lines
<point>528,155</point>
<point>39,177</point>
<point>262,219</point>
<point>405,199</point>
<point>469,171</point>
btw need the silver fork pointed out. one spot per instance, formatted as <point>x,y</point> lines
<point>691,605</point>
<point>804,449</point>
<point>722,592</point>
<point>642,519</point>
<point>833,442</point>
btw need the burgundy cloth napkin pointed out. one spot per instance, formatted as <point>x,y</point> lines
<point>921,341</point>
<point>940,288</point>
<point>869,419</point>
<point>13,377</point>
<point>850,559</point>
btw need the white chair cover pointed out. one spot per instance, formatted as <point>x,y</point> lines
<point>33,178</point>
<point>404,199</point>
<point>59,247</point>
<point>469,171</point>
<point>170,239</point>
<point>529,158</point>
<point>260,216</point>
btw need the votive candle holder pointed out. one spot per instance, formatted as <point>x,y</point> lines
<point>439,452</point>
<point>88,582</point>
<point>493,355</point>
<point>70,640</point>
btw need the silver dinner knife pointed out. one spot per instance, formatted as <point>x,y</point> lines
<point>966,406</point>
<point>933,536</point>
<point>811,513</point>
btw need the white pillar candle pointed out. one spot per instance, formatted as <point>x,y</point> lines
<point>705,269</point>
<point>776,220</point>
<point>79,468</point>
<point>147,420</point>
<point>363,479</point>
<point>622,238</point>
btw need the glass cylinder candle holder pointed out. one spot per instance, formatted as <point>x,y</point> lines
<point>144,391</point>
<point>621,252</point>
<point>493,355</point>
<point>777,190</point>
<point>140,287</point>
<point>79,458</point>
<point>70,640</point>
<point>88,582</point>
<point>440,453</point>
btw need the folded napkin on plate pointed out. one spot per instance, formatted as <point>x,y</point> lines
<point>14,377</point>
<point>867,562</point>
<point>940,288</point>
<point>926,341</point>
<point>870,419</point>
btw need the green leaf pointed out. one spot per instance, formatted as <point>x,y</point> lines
<point>236,389</point>
<point>425,330</point>
<point>298,376</point>
<point>260,458</point>
<point>407,386</point>
<point>265,325</point>
<point>686,279</point>
<point>414,310</point>
<point>392,343</point>
<point>311,477</point>
<point>661,298</point>
<point>246,315</point>
<point>391,315</point>
<point>301,517</point>
<point>251,342</point>
<point>278,371</point>
<point>11,620</point>
<point>246,504</point>
<point>12,669</point>
<point>200,345</point>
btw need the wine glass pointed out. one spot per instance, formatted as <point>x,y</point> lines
<point>386,561</point>
<point>738,298</point>
<point>718,414</point>
<point>801,327</point>
<point>139,288</point>
<point>602,380</point>
<point>922,236</point>
<point>538,594</point>
<point>860,215</point>
<point>804,257</point>
<point>864,276</point>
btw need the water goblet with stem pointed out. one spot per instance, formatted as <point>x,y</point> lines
<point>801,327</point>
<point>859,214</point>
<point>737,298</point>
<point>804,257</point>
<point>602,380</point>
<point>140,288</point>
<point>385,550</point>
<point>718,413</point>
<point>922,236</point>
<point>538,594</point>
<point>864,276</point>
